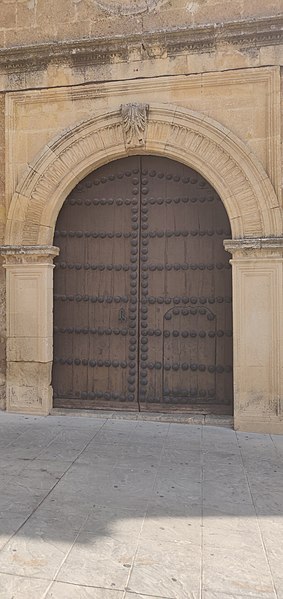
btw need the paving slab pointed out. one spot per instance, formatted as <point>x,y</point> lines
<point>167,569</point>
<point>19,587</point>
<point>99,560</point>
<point>61,590</point>
<point>100,506</point>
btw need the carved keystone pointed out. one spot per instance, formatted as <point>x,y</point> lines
<point>134,119</point>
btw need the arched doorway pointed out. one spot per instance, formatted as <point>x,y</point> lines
<point>142,291</point>
<point>255,215</point>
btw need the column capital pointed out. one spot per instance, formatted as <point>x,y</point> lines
<point>28,254</point>
<point>258,247</point>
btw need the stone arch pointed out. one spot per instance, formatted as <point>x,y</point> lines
<point>177,133</point>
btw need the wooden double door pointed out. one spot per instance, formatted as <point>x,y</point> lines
<point>142,291</point>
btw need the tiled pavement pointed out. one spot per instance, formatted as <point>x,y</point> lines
<point>94,508</point>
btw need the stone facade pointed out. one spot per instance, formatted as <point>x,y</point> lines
<point>208,76</point>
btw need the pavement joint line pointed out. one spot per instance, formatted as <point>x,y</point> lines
<point>44,448</point>
<point>238,596</point>
<point>275,447</point>
<point>257,520</point>
<point>145,514</point>
<point>89,586</point>
<point>18,437</point>
<point>25,576</point>
<point>50,491</point>
<point>54,439</point>
<point>65,558</point>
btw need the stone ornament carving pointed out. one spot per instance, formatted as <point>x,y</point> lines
<point>128,7</point>
<point>134,118</point>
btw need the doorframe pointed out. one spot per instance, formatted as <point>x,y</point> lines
<point>256,221</point>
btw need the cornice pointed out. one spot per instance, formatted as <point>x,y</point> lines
<point>29,255</point>
<point>246,34</point>
<point>37,250</point>
<point>262,247</point>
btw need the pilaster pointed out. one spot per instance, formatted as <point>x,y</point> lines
<point>29,281</point>
<point>258,333</point>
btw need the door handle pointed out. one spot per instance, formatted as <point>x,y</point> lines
<point>122,315</point>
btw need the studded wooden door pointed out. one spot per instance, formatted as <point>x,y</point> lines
<point>142,310</point>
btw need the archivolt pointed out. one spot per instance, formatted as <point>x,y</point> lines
<point>178,133</point>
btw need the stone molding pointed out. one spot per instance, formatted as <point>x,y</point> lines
<point>253,33</point>
<point>271,247</point>
<point>33,254</point>
<point>178,133</point>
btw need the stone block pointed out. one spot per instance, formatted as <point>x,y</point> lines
<point>165,19</point>
<point>53,12</point>
<point>111,26</point>
<point>217,11</point>
<point>29,399</point>
<point>29,374</point>
<point>25,36</point>
<point>28,387</point>
<point>29,349</point>
<point>73,30</point>
<point>252,8</point>
<point>8,15</point>
<point>26,16</point>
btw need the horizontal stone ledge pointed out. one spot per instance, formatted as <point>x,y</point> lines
<point>254,243</point>
<point>10,250</point>
<point>261,31</point>
<point>28,254</point>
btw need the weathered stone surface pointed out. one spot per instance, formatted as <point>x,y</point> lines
<point>38,22</point>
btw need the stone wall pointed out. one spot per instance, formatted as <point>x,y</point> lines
<point>2,273</point>
<point>32,21</point>
<point>168,38</point>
